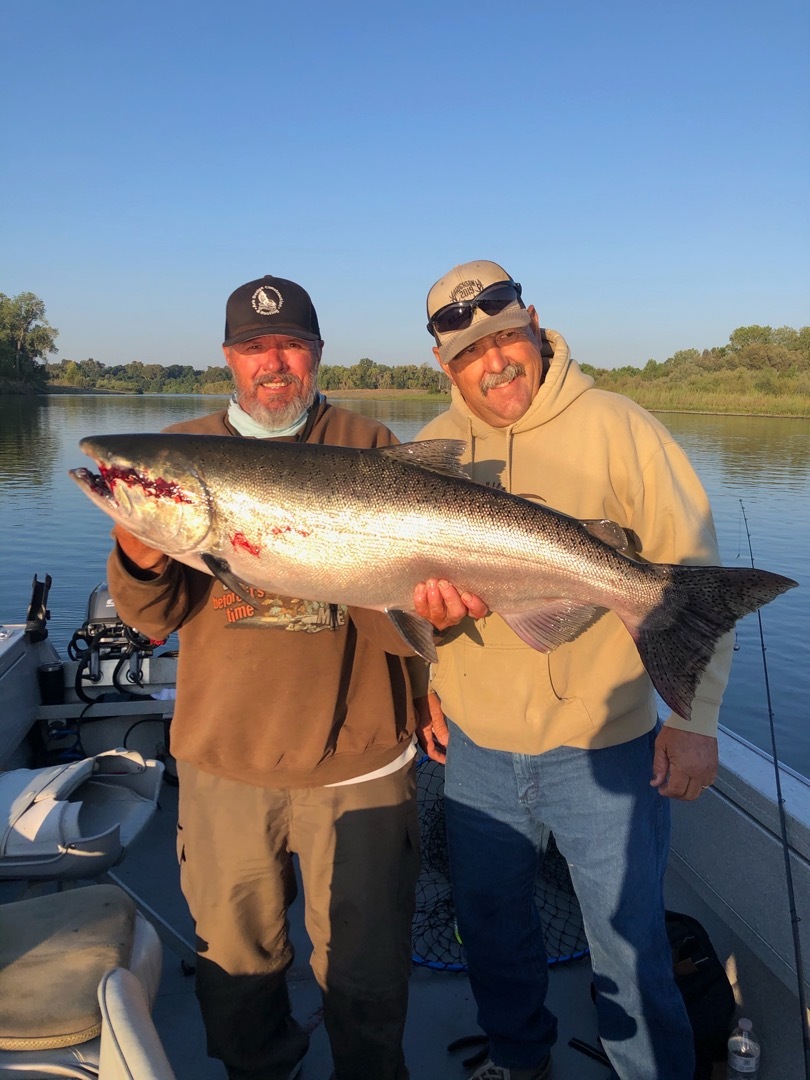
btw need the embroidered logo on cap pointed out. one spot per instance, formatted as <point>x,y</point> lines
<point>267,300</point>
<point>466,290</point>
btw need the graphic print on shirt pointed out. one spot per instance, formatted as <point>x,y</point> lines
<point>277,612</point>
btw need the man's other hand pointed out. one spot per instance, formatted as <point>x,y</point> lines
<point>138,553</point>
<point>431,727</point>
<point>685,763</point>
<point>444,606</point>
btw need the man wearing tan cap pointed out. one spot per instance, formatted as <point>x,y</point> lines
<point>569,739</point>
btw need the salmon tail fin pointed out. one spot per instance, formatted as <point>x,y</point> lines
<point>700,604</point>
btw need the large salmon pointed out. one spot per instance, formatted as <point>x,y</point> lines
<point>362,527</point>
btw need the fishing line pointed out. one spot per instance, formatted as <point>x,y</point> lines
<point>794,916</point>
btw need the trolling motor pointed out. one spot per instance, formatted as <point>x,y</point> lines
<point>104,636</point>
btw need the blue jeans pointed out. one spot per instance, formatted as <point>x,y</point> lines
<point>613,830</point>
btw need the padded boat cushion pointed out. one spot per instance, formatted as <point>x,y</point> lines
<point>54,951</point>
<point>74,821</point>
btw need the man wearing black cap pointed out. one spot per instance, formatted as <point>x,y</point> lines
<point>295,739</point>
<point>567,739</point>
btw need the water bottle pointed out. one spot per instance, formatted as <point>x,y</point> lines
<point>743,1053</point>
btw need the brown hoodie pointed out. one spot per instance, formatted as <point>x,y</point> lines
<point>300,705</point>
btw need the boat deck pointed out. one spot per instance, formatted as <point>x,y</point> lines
<point>441,1009</point>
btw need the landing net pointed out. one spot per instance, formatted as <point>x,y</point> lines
<point>436,941</point>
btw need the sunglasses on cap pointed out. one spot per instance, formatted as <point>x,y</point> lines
<point>491,301</point>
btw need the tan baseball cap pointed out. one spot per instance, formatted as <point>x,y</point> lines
<point>462,286</point>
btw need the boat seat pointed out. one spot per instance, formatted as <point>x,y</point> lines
<point>55,950</point>
<point>72,821</point>
<point>130,1046</point>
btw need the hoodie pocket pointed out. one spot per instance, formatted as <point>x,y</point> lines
<point>501,693</point>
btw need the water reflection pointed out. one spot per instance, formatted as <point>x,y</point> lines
<point>404,416</point>
<point>744,448</point>
<point>29,444</point>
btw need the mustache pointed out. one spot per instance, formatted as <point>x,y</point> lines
<point>282,379</point>
<point>511,372</point>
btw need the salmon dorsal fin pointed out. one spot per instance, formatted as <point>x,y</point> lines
<point>553,623</point>
<point>437,455</point>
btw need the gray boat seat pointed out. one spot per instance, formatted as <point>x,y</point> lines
<point>54,952</point>
<point>130,1046</point>
<point>74,821</point>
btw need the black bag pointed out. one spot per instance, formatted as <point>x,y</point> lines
<point>705,989</point>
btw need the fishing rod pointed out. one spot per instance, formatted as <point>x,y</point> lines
<point>794,915</point>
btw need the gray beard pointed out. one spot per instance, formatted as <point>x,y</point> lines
<point>283,417</point>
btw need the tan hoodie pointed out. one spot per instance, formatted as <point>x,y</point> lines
<point>590,454</point>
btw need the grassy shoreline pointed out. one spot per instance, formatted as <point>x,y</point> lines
<point>736,408</point>
<point>784,409</point>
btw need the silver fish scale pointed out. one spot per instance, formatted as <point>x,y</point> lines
<point>362,527</point>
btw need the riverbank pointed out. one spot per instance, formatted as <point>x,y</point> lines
<point>389,395</point>
<point>74,390</point>
<point>8,387</point>
<point>651,402</point>
<point>654,400</point>
<point>13,388</point>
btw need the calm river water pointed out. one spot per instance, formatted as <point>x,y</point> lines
<point>48,526</point>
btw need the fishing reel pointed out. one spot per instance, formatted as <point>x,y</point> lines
<point>104,636</point>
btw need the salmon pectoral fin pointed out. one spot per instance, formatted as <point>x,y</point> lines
<point>415,631</point>
<point>556,622</point>
<point>221,570</point>
<point>614,535</point>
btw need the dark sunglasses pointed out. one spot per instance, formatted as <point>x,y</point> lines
<point>458,316</point>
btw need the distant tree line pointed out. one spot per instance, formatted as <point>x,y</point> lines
<point>140,378</point>
<point>761,369</point>
<point>366,375</point>
<point>782,351</point>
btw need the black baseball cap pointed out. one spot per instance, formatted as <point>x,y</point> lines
<point>270,305</point>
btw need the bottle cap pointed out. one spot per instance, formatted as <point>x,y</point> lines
<point>744,1024</point>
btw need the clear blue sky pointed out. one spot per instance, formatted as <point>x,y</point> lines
<point>643,168</point>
